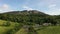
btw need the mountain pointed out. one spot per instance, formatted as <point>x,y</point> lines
<point>25,16</point>
<point>25,12</point>
<point>28,22</point>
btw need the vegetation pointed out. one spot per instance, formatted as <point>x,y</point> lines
<point>50,30</point>
<point>29,22</point>
<point>33,16</point>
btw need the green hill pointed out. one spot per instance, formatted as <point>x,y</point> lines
<point>25,16</point>
<point>29,22</point>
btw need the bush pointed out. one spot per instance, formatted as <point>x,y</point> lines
<point>6,24</point>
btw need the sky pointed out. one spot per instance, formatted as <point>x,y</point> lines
<point>51,7</point>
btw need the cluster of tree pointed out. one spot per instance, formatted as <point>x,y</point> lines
<point>32,16</point>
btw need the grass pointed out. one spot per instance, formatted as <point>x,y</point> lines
<point>4,29</point>
<point>50,30</point>
<point>13,25</point>
<point>21,31</point>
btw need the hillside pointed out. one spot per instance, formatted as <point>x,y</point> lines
<point>33,16</point>
<point>28,22</point>
<point>24,16</point>
<point>8,27</point>
<point>15,28</point>
<point>50,30</point>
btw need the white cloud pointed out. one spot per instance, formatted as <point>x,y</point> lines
<point>4,8</point>
<point>54,11</point>
<point>52,5</point>
<point>26,8</point>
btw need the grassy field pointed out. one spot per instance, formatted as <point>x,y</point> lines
<point>5,29</point>
<point>21,31</point>
<point>50,30</point>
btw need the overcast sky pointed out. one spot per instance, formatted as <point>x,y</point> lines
<point>51,7</point>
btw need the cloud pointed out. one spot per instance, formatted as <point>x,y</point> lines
<point>52,5</point>
<point>53,12</point>
<point>52,9</point>
<point>4,8</point>
<point>26,8</point>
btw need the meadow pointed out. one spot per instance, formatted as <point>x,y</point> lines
<point>12,29</point>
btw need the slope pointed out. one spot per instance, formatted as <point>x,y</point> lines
<point>50,30</point>
<point>8,27</point>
